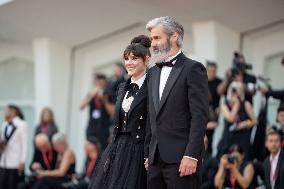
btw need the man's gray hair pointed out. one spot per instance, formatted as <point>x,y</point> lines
<point>59,137</point>
<point>169,26</point>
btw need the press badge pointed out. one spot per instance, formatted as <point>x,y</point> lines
<point>97,114</point>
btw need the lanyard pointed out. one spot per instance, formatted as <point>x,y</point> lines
<point>47,158</point>
<point>90,167</point>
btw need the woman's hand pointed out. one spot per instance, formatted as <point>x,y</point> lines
<point>146,164</point>
<point>224,161</point>
<point>242,125</point>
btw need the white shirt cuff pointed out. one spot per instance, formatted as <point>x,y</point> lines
<point>191,158</point>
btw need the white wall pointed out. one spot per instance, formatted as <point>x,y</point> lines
<point>216,42</point>
<point>13,49</point>
<point>258,47</point>
<point>52,72</point>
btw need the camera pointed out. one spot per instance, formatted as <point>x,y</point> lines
<point>239,63</point>
<point>232,159</point>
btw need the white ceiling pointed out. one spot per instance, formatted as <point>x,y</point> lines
<point>77,21</point>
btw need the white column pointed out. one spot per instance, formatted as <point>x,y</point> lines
<point>52,71</point>
<point>214,41</point>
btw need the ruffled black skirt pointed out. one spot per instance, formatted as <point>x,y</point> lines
<point>121,166</point>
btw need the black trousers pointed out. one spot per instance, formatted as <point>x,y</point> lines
<point>162,175</point>
<point>9,178</point>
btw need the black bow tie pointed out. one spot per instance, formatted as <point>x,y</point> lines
<point>168,64</point>
<point>133,89</point>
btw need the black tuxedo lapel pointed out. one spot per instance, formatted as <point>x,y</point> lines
<point>267,173</point>
<point>177,68</point>
<point>155,88</point>
<point>142,93</point>
<point>279,163</point>
<point>121,94</point>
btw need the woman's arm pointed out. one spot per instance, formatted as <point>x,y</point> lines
<point>67,160</point>
<point>230,115</point>
<point>222,87</point>
<point>245,180</point>
<point>220,175</point>
<point>252,118</point>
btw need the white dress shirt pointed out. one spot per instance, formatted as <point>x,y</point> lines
<point>15,151</point>
<point>126,103</point>
<point>140,81</point>
<point>273,166</point>
<point>165,73</point>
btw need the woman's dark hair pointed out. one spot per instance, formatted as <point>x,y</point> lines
<point>236,148</point>
<point>17,110</point>
<point>139,47</point>
<point>52,122</point>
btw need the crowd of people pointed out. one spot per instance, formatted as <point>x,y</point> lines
<point>244,159</point>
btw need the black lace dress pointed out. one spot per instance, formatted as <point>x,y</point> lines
<point>121,166</point>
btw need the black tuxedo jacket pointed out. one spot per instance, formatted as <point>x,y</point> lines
<point>137,115</point>
<point>279,183</point>
<point>176,124</point>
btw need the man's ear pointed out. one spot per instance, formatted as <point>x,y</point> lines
<point>174,37</point>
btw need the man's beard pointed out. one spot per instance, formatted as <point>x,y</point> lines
<point>160,55</point>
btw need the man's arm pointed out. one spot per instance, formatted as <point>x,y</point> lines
<point>278,94</point>
<point>148,126</point>
<point>24,142</point>
<point>199,106</point>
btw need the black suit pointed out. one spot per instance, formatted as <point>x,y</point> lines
<point>176,124</point>
<point>279,182</point>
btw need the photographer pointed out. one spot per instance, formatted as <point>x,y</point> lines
<point>239,119</point>
<point>233,171</point>
<point>238,72</point>
<point>100,111</point>
<point>277,94</point>
<point>214,100</point>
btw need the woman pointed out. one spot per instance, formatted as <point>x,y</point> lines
<point>47,124</point>
<point>239,119</point>
<point>65,166</point>
<point>122,163</point>
<point>233,171</point>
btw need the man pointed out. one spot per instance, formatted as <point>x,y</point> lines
<point>177,112</point>
<point>274,164</point>
<point>99,117</point>
<point>13,158</point>
<point>48,157</point>
<point>238,72</point>
<point>45,159</point>
<point>214,100</point>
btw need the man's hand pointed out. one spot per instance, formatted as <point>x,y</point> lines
<point>187,167</point>
<point>21,167</point>
<point>146,164</point>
